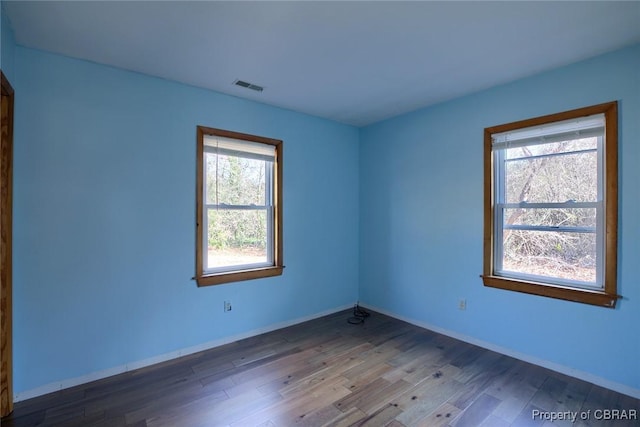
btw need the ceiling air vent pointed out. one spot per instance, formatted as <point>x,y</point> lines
<point>248,85</point>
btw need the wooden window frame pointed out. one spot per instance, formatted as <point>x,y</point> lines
<point>607,297</point>
<point>205,278</point>
<point>6,254</point>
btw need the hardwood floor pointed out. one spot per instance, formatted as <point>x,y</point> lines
<point>327,372</point>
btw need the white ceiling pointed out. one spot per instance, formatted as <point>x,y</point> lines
<point>354,62</point>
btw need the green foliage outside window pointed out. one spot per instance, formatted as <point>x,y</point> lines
<point>236,181</point>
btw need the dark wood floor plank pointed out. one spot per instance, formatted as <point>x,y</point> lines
<point>291,409</point>
<point>510,408</point>
<point>125,398</point>
<point>348,402</point>
<point>373,360</point>
<point>549,395</point>
<point>339,345</point>
<point>600,399</point>
<point>494,421</point>
<point>441,416</point>
<point>347,418</point>
<point>414,363</point>
<point>60,415</point>
<point>434,389</point>
<point>382,397</point>
<point>18,419</point>
<point>319,417</point>
<point>381,417</point>
<point>418,337</point>
<point>477,412</point>
<point>486,371</point>
<point>475,363</point>
<point>212,410</point>
<point>517,383</point>
<point>428,399</point>
<point>299,377</point>
<point>41,403</point>
<point>150,376</point>
<point>94,420</point>
<point>323,371</point>
<point>327,372</point>
<point>429,371</point>
<point>526,418</point>
<point>134,414</point>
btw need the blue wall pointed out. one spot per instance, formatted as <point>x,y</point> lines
<point>104,232</point>
<point>421,218</point>
<point>7,46</point>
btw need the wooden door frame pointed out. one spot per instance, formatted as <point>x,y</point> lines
<point>6,219</point>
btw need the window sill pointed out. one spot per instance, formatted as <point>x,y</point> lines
<point>585,296</point>
<point>237,276</point>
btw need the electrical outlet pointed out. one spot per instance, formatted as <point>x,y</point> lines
<point>227,306</point>
<point>462,304</point>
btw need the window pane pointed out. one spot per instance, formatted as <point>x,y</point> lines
<point>555,178</point>
<point>570,256</point>
<point>555,147</point>
<point>564,217</point>
<point>237,237</point>
<point>235,180</point>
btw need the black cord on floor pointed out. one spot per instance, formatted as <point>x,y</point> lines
<point>359,314</point>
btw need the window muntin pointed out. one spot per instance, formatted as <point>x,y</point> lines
<point>551,205</point>
<point>239,207</point>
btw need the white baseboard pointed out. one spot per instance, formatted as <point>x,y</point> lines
<point>72,382</point>
<point>585,376</point>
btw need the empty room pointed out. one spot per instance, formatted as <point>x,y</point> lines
<point>320,213</point>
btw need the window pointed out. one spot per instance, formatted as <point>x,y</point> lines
<point>551,205</point>
<point>239,207</point>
